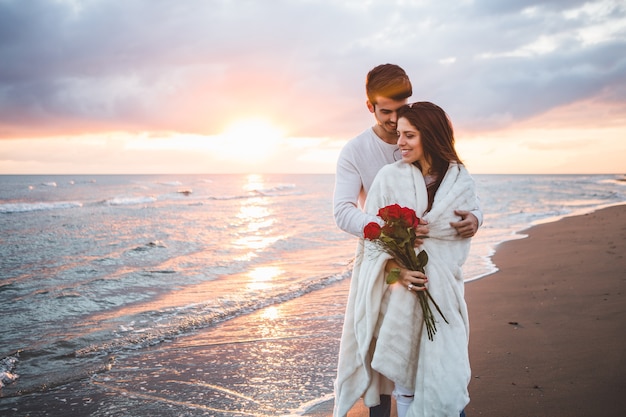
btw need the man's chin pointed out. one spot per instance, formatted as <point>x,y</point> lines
<point>392,130</point>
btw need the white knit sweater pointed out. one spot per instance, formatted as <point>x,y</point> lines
<point>359,162</point>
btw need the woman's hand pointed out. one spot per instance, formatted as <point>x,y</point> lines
<point>411,280</point>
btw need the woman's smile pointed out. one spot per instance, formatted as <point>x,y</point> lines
<point>409,141</point>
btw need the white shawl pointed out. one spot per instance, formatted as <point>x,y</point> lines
<point>383,337</point>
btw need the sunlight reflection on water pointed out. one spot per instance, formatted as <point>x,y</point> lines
<point>262,277</point>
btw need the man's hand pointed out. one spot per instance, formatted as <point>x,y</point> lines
<point>421,230</point>
<point>467,226</point>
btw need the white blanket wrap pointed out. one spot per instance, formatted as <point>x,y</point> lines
<point>383,336</point>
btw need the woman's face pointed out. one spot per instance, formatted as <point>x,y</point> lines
<point>409,142</point>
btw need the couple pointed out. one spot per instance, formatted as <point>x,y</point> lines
<point>384,349</point>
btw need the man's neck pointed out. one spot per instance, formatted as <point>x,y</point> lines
<point>384,135</point>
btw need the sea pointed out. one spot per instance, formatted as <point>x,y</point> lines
<point>217,295</point>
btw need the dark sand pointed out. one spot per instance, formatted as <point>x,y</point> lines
<point>548,330</point>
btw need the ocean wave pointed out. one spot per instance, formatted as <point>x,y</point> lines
<point>620,180</point>
<point>277,190</point>
<point>127,201</point>
<point>149,246</point>
<point>191,318</point>
<point>230,197</point>
<point>7,367</point>
<point>37,206</point>
<point>171,183</point>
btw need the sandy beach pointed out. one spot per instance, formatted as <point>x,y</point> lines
<point>548,330</point>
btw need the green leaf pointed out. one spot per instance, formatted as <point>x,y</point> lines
<point>393,276</point>
<point>422,257</point>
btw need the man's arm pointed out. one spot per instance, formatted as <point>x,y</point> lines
<point>348,187</point>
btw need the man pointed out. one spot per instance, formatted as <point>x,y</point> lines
<point>387,87</point>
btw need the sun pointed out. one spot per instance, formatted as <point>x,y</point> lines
<point>251,139</point>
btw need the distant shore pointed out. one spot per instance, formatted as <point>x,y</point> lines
<point>548,330</point>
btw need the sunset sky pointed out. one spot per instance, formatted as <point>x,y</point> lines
<point>277,86</point>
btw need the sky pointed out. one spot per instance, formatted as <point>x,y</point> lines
<point>277,86</point>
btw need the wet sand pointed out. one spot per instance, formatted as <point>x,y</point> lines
<point>267,363</point>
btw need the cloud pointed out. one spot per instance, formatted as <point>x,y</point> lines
<point>72,66</point>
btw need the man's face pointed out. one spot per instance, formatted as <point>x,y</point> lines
<point>385,112</point>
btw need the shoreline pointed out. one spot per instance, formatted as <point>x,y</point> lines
<point>521,234</point>
<point>548,329</point>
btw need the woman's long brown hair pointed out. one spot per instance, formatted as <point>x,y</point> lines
<point>437,136</point>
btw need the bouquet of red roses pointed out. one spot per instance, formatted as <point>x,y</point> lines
<point>397,238</point>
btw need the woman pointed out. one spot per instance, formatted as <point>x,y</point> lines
<point>384,347</point>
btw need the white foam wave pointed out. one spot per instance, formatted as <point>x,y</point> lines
<point>310,405</point>
<point>277,190</point>
<point>229,197</point>
<point>125,201</point>
<point>7,365</point>
<point>182,320</point>
<point>37,206</point>
<point>621,181</point>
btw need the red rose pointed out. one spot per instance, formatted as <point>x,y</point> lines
<point>390,213</point>
<point>409,217</point>
<point>372,231</point>
<point>388,230</point>
<point>382,213</point>
<point>416,222</point>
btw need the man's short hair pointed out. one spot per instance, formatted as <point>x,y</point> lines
<point>388,80</point>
